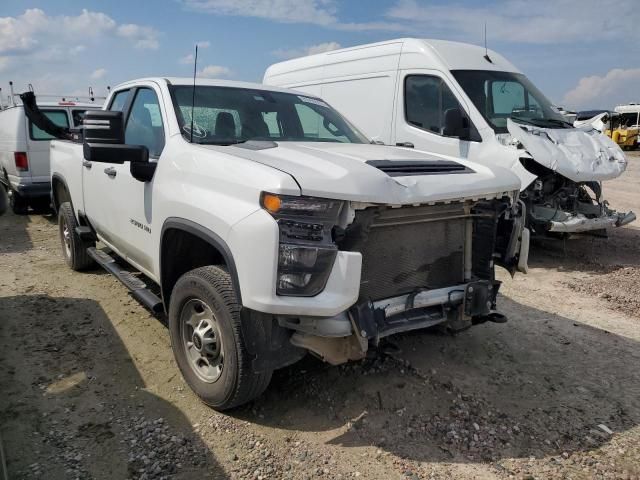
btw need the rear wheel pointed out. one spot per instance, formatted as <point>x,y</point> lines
<point>74,248</point>
<point>18,203</point>
<point>208,342</point>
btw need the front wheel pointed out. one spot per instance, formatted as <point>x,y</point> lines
<point>208,341</point>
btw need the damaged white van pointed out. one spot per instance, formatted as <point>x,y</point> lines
<point>462,100</point>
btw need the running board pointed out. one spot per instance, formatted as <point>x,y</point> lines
<point>137,287</point>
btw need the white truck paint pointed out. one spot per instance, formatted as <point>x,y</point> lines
<point>222,187</point>
<point>383,88</point>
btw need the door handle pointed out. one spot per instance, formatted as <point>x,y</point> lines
<point>404,144</point>
<point>86,163</point>
<point>110,171</point>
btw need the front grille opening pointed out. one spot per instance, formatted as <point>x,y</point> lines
<point>408,168</point>
<point>413,248</point>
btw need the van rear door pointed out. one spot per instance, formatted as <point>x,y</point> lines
<point>38,143</point>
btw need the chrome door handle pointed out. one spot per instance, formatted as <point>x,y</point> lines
<point>86,163</point>
<point>110,171</point>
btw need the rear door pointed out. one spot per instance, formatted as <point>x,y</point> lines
<point>38,143</point>
<point>98,186</point>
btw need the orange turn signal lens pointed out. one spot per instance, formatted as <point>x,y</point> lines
<point>271,202</point>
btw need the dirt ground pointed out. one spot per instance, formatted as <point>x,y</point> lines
<point>89,387</point>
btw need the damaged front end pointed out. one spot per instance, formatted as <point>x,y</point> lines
<point>570,165</point>
<point>422,265</point>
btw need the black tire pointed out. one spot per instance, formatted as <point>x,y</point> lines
<point>74,249</point>
<point>18,203</point>
<point>237,383</point>
<point>41,205</point>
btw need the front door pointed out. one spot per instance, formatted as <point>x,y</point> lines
<point>132,212</point>
<point>424,96</point>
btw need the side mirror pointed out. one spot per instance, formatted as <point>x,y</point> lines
<point>113,153</point>
<point>456,124</point>
<point>103,126</point>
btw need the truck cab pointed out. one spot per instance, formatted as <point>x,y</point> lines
<point>266,227</point>
<point>462,100</point>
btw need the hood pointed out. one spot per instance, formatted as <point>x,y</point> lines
<point>579,154</point>
<point>340,171</point>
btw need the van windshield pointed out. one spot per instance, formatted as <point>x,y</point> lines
<point>502,95</point>
<point>229,115</point>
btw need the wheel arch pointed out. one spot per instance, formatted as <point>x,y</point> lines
<point>180,236</point>
<point>59,192</point>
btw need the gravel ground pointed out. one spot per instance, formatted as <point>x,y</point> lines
<point>89,388</point>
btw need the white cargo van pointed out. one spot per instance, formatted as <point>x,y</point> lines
<point>24,149</point>
<point>464,101</point>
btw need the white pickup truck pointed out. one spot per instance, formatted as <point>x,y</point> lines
<point>266,227</point>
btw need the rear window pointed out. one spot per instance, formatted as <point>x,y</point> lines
<point>59,117</point>
<point>77,115</point>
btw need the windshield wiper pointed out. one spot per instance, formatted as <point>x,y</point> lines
<point>222,143</point>
<point>542,122</point>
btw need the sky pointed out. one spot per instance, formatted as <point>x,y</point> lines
<point>582,54</point>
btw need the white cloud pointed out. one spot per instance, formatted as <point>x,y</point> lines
<point>320,12</point>
<point>214,71</point>
<point>615,87</point>
<point>35,31</point>
<point>144,37</point>
<point>541,22</point>
<point>4,63</point>
<point>310,50</point>
<point>98,74</point>
<point>315,12</point>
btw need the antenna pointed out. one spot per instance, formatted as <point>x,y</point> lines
<point>193,93</point>
<point>486,51</point>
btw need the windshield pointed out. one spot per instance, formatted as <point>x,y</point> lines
<point>226,116</point>
<point>502,95</point>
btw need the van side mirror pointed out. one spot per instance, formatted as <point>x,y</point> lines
<point>456,124</point>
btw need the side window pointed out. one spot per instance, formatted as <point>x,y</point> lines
<point>144,125</point>
<point>316,126</point>
<point>119,100</point>
<point>508,97</point>
<point>271,121</point>
<point>59,117</point>
<point>426,99</point>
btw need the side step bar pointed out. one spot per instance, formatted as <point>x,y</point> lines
<point>138,288</point>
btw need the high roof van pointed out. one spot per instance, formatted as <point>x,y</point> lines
<point>24,150</point>
<point>465,101</point>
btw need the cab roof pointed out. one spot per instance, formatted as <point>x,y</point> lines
<point>188,81</point>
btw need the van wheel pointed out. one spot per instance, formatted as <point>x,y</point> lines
<point>208,342</point>
<point>18,203</point>
<point>74,249</point>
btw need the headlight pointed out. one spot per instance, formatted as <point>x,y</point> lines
<point>306,252</point>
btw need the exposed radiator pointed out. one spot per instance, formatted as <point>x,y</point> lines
<point>409,248</point>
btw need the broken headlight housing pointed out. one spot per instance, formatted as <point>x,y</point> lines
<point>306,251</point>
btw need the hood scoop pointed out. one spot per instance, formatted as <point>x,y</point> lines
<point>407,168</point>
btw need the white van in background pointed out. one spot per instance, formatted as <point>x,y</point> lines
<point>461,100</point>
<point>24,148</point>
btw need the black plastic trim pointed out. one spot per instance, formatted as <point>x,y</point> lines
<point>208,236</point>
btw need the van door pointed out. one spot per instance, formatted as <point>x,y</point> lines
<point>423,98</point>
<point>97,186</point>
<point>38,144</point>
